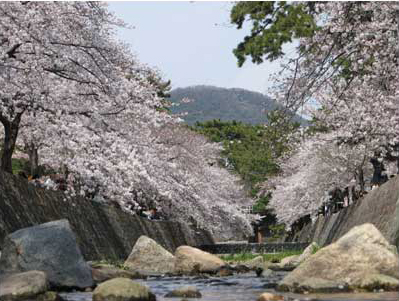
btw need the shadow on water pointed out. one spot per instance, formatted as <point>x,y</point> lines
<point>244,287</point>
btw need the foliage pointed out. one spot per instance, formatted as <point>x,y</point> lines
<point>281,130</point>
<point>246,150</point>
<point>261,204</point>
<point>273,24</point>
<point>241,257</point>
<point>315,249</point>
<point>252,150</point>
<point>19,165</point>
<point>277,231</point>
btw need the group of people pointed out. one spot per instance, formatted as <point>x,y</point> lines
<point>337,199</point>
<point>51,182</point>
<point>151,214</point>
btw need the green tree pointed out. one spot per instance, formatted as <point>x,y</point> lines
<point>246,150</point>
<point>274,23</point>
<point>279,130</point>
<point>252,150</point>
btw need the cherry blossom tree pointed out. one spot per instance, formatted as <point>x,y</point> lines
<point>347,70</point>
<point>79,99</point>
<point>137,164</point>
<point>61,59</point>
<point>317,166</point>
<point>349,67</point>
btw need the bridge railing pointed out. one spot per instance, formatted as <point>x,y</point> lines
<point>236,248</point>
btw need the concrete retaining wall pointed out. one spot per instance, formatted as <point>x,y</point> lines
<point>379,207</point>
<point>103,232</point>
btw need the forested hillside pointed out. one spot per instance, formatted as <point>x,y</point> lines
<point>209,102</point>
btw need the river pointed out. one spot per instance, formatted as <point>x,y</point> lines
<point>242,287</point>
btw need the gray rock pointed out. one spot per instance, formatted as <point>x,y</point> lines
<point>22,286</point>
<point>241,268</point>
<point>185,292</point>
<point>270,297</point>
<point>49,296</point>
<point>373,282</point>
<point>309,251</point>
<point>257,262</point>
<point>122,289</point>
<point>51,248</point>
<point>106,272</point>
<point>315,284</point>
<point>189,260</point>
<point>225,271</point>
<point>266,273</point>
<point>345,264</point>
<point>288,263</point>
<point>148,257</point>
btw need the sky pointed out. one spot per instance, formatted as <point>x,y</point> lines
<point>191,43</point>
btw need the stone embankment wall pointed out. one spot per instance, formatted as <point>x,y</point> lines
<point>103,232</point>
<point>379,207</point>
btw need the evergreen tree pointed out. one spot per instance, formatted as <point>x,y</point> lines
<point>274,23</point>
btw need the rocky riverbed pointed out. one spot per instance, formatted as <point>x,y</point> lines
<point>243,287</point>
<point>39,260</point>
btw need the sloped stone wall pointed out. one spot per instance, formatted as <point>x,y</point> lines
<point>103,232</point>
<point>379,207</point>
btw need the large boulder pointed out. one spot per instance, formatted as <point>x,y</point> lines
<point>362,259</point>
<point>51,248</point>
<point>148,257</point>
<point>189,260</point>
<point>122,289</point>
<point>22,286</point>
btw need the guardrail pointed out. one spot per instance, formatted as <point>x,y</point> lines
<point>236,248</point>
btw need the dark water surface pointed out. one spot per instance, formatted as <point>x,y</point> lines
<point>244,287</point>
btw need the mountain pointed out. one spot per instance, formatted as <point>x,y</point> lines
<point>209,102</point>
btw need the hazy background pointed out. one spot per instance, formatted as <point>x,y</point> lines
<point>191,43</point>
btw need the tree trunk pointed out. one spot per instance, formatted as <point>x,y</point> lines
<point>65,172</point>
<point>33,158</point>
<point>11,129</point>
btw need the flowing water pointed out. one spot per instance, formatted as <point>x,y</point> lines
<point>243,287</point>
